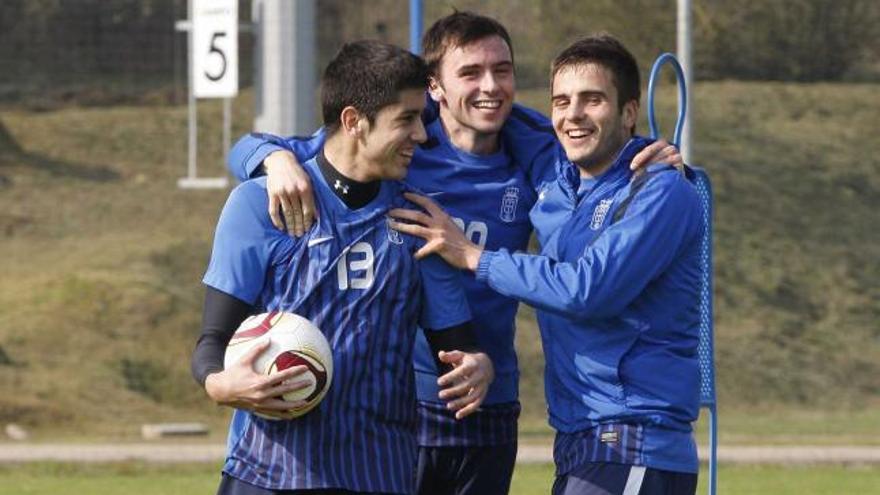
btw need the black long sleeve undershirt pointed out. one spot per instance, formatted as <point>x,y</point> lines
<point>221,317</point>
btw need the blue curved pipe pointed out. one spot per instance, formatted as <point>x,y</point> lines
<point>682,97</point>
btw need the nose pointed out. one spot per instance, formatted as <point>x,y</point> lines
<point>488,83</point>
<point>574,112</point>
<point>418,134</point>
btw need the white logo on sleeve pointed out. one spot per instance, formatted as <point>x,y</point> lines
<point>600,212</point>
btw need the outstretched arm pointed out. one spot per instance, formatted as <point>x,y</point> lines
<point>609,274</point>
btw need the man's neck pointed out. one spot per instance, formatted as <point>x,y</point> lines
<point>597,168</point>
<point>467,139</point>
<point>341,155</point>
<point>593,170</point>
<point>353,193</point>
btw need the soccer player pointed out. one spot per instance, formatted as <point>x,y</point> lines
<point>464,165</point>
<point>616,286</point>
<point>357,280</point>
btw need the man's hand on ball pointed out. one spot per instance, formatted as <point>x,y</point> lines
<point>239,386</point>
<point>466,386</point>
<point>290,193</point>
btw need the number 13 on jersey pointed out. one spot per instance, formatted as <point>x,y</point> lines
<point>215,48</point>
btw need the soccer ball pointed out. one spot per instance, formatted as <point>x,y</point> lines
<point>295,341</point>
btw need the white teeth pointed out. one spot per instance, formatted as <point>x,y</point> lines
<point>578,133</point>
<point>491,104</point>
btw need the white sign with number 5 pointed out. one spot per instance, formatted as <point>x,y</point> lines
<point>215,48</point>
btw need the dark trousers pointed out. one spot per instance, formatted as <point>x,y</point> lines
<point>597,478</point>
<point>465,470</point>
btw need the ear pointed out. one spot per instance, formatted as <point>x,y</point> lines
<point>350,121</point>
<point>435,89</point>
<point>630,114</point>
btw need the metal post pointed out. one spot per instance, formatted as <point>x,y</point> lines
<point>285,66</point>
<point>227,127</point>
<point>415,26</point>
<point>684,57</point>
<point>191,98</point>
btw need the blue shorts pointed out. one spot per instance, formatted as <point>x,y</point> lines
<point>465,470</point>
<point>599,478</point>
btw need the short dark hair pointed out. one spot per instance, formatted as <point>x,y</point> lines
<point>368,75</point>
<point>605,50</point>
<point>459,29</point>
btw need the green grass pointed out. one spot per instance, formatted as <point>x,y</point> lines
<point>102,255</point>
<point>108,479</point>
<point>186,479</point>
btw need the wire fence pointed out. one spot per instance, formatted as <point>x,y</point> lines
<point>103,52</point>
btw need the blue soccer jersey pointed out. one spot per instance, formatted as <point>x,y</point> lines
<point>358,281</point>
<point>489,197</point>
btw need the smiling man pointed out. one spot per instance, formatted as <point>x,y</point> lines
<point>357,280</point>
<point>615,285</point>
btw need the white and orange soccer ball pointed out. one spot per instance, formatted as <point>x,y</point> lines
<point>295,341</point>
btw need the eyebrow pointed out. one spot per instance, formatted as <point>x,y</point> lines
<point>478,66</point>
<point>588,92</point>
<point>408,113</point>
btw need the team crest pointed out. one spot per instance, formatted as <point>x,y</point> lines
<point>600,213</point>
<point>393,235</point>
<point>508,204</point>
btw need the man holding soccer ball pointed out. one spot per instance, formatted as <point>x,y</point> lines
<point>358,281</point>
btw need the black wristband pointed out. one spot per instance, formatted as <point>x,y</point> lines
<point>222,316</point>
<point>457,338</point>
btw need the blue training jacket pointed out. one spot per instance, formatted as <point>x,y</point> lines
<point>616,288</point>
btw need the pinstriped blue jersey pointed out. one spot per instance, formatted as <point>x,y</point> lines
<point>358,281</point>
<point>490,197</point>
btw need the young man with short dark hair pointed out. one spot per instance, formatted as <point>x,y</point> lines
<point>357,280</point>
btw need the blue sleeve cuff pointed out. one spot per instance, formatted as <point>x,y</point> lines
<point>483,266</point>
<point>255,161</point>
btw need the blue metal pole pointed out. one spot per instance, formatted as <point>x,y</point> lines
<point>415,26</point>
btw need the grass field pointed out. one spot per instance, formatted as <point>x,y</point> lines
<point>102,255</point>
<point>143,479</point>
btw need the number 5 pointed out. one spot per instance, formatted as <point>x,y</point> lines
<point>218,51</point>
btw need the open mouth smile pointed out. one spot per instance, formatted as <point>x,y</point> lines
<point>487,104</point>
